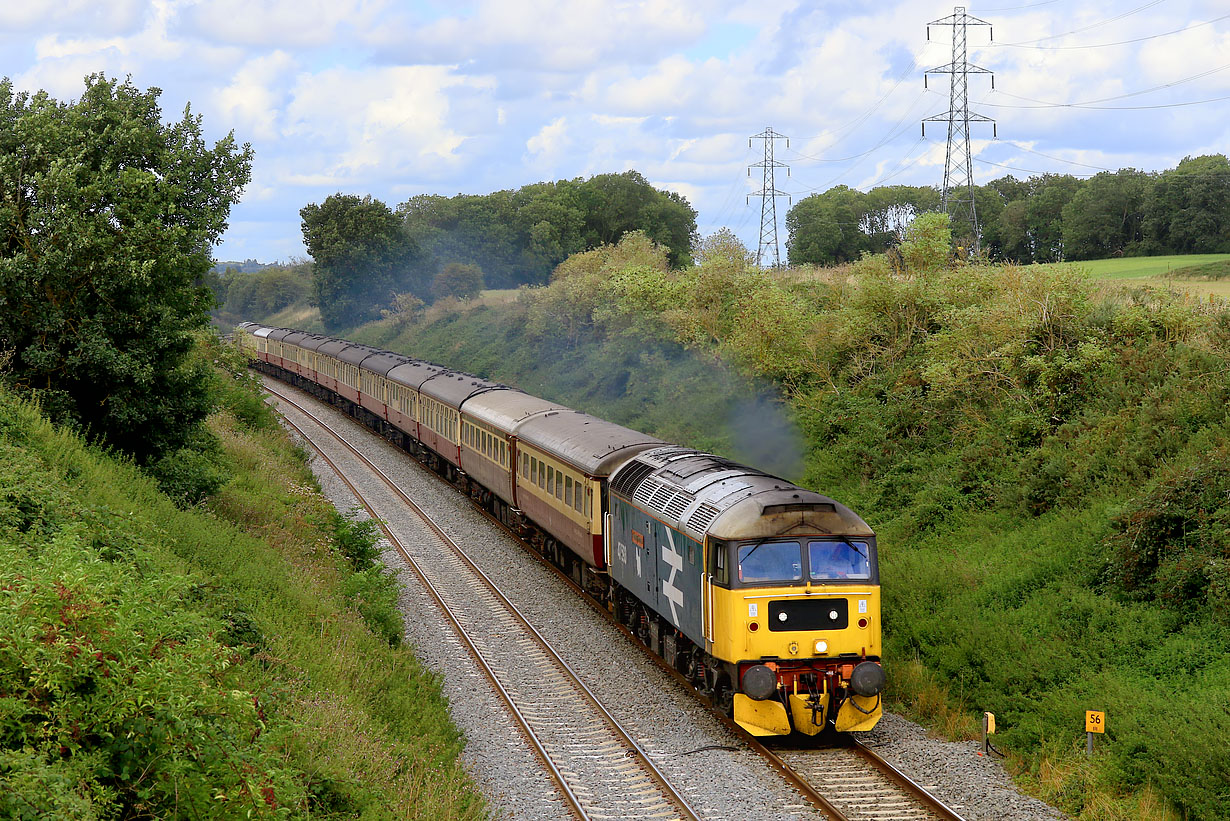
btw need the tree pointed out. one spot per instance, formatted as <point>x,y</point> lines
<point>107,218</point>
<point>1044,214</point>
<point>826,228</point>
<point>1106,216</point>
<point>1188,211</point>
<point>458,280</point>
<point>615,204</point>
<point>362,254</point>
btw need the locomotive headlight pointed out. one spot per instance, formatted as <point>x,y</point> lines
<point>781,616</point>
<point>822,646</point>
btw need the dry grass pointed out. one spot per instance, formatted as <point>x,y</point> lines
<point>919,695</point>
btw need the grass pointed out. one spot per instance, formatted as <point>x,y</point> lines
<point>1204,276</point>
<point>317,715</point>
<point>1128,268</point>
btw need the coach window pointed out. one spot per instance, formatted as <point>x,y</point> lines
<point>559,486</point>
<point>568,491</point>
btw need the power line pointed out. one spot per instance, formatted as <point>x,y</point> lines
<point>896,131</point>
<point>1057,159</point>
<point>1117,43</point>
<point>1089,103</point>
<point>1090,27</point>
<point>1024,170</point>
<point>1112,107</point>
<point>863,117</point>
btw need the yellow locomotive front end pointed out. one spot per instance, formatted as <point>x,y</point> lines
<point>763,594</point>
<point>797,619</point>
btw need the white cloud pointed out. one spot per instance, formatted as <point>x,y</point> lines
<point>549,142</point>
<point>113,17</point>
<point>281,23</point>
<point>554,35</point>
<point>253,101</point>
<point>387,121</point>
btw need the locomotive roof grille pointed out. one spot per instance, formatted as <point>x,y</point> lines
<point>645,492</point>
<point>702,517</point>
<point>677,505</point>
<point>629,478</point>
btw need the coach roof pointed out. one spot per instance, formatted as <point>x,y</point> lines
<point>505,409</point>
<point>586,442</point>
<point>453,387</point>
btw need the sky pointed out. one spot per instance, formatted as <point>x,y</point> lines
<point>395,98</point>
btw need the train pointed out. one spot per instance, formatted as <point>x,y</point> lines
<point>764,595</point>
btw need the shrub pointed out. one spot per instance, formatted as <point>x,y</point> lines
<point>458,280</point>
<point>1173,543</point>
<point>356,539</point>
<point>188,476</point>
<point>116,696</point>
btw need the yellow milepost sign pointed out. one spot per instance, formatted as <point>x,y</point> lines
<point>1095,721</point>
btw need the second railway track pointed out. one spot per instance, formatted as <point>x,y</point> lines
<point>598,767</point>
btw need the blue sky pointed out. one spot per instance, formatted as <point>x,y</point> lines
<point>395,99</point>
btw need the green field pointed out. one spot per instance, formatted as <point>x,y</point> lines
<point>1121,268</point>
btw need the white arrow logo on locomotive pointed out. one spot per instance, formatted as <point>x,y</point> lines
<point>673,594</point>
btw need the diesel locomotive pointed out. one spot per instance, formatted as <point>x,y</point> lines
<point>764,595</point>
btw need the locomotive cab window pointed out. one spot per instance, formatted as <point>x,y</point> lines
<point>836,559</point>
<point>767,561</point>
<point>719,561</point>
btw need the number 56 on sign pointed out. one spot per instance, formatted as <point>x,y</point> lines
<point>1095,721</point>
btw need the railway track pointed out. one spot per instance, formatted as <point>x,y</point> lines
<point>601,771</point>
<point>846,781</point>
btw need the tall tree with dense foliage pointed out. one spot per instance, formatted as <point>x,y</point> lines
<point>1106,216</point>
<point>826,228</point>
<point>362,255</point>
<point>107,218</point>
<point>518,237</point>
<point>1189,207</point>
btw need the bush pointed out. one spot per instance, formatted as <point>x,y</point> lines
<point>355,538</point>
<point>1173,543</point>
<point>188,476</point>
<point>116,696</point>
<point>458,280</point>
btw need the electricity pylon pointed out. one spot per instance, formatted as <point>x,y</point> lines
<point>768,194</point>
<point>958,197</point>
